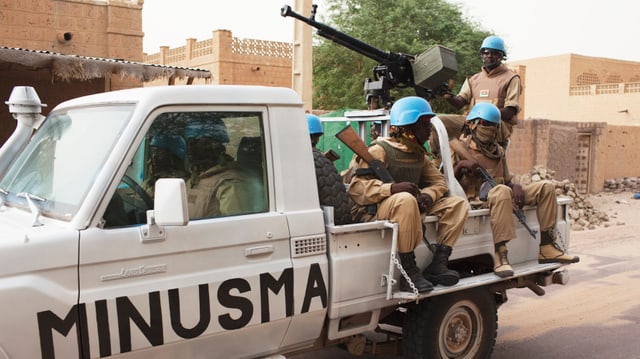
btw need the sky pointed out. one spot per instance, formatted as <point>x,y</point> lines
<point>530,28</point>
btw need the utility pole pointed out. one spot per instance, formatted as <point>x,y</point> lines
<point>302,63</point>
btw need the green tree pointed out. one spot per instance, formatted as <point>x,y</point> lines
<point>399,26</point>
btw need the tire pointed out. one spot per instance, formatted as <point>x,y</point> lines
<point>456,325</point>
<point>331,190</point>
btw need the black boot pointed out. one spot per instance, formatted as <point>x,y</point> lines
<point>438,272</point>
<point>408,262</point>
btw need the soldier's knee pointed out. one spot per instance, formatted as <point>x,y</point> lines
<point>500,193</point>
<point>403,198</point>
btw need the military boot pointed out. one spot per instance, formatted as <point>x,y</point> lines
<point>438,272</point>
<point>408,262</point>
<point>550,250</point>
<point>501,266</point>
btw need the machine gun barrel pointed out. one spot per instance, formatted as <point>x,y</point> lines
<point>341,38</point>
<point>426,73</point>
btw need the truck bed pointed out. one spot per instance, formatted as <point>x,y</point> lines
<point>363,251</point>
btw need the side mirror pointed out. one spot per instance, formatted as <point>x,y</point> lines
<point>170,202</point>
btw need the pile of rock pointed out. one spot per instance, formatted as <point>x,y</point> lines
<point>622,184</point>
<point>582,213</point>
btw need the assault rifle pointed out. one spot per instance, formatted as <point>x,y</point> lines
<point>350,138</point>
<point>489,183</point>
<point>428,73</point>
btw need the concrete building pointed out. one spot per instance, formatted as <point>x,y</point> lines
<point>70,48</point>
<point>580,117</point>
<point>580,88</point>
<point>231,60</point>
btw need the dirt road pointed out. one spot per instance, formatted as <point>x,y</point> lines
<point>597,315</point>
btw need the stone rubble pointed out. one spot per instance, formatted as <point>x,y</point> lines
<point>582,213</point>
<point>618,185</point>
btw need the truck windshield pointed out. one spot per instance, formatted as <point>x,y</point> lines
<point>63,159</point>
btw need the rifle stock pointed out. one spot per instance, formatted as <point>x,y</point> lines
<point>350,138</point>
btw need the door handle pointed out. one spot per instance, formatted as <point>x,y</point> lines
<point>260,250</point>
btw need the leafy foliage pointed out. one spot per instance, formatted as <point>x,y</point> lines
<point>400,26</point>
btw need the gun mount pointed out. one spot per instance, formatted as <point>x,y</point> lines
<point>427,73</point>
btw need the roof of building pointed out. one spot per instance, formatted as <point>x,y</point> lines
<point>83,68</point>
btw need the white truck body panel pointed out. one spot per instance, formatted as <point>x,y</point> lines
<point>74,286</point>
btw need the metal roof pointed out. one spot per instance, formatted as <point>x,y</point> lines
<point>83,68</point>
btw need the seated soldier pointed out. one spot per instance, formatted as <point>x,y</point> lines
<point>476,150</point>
<point>217,186</point>
<point>167,155</point>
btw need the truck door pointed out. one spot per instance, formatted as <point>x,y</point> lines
<point>216,287</point>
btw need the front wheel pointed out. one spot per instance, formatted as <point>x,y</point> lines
<point>456,325</point>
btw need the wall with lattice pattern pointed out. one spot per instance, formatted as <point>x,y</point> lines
<point>231,60</point>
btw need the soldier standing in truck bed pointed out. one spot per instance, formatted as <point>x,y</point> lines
<point>495,84</point>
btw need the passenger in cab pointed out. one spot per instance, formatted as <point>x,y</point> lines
<point>477,150</point>
<point>217,185</point>
<point>418,189</point>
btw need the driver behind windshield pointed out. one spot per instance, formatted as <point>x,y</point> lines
<point>167,159</point>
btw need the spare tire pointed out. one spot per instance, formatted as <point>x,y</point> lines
<point>331,190</point>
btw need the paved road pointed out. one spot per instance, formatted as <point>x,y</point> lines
<point>596,315</point>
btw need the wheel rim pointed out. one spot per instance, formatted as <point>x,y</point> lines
<point>461,331</point>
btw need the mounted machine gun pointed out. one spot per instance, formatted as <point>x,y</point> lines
<point>428,73</point>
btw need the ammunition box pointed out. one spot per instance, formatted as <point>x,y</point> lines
<point>435,66</point>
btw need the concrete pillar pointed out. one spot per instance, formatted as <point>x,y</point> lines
<point>302,65</point>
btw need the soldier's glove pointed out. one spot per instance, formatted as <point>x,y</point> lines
<point>442,90</point>
<point>425,202</point>
<point>408,187</point>
<point>466,166</point>
<point>518,195</point>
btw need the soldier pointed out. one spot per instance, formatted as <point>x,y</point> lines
<point>419,189</point>
<point>495,84</point>
<point>167,159</point>
<point>217,186</point>
<point>478,149</point>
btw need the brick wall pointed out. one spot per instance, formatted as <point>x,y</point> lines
<point>231,60</point>
<point>587,152</point>
<point>109,29</point>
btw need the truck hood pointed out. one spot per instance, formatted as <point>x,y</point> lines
<point>26,249</point>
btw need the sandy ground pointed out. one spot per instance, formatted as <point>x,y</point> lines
<point>621,207</point>
<point>597,314</point>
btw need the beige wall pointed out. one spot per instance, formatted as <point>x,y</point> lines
<point>586,153</point>
<point>108,29</point>
<point>582,89</point>
<point>111,29</point>
<point>105,29</point>
<point>231,60</point>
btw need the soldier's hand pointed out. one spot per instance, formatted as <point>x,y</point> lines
<point>408,187</point>
<point>443,90</point>
<point>425,202</point>
<point>518,195</point>
<point>467,166</point>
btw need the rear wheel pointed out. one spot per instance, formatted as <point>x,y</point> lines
<point>456,325</point>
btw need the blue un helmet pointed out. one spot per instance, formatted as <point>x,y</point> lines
<point>315,125</point>
<point>214,129</point>
<point>485,111</point>
<point>173,143</point>
<point>493,43</point>
<point>408,110</point>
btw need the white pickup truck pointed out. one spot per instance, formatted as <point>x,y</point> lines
<point>95,265</point>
